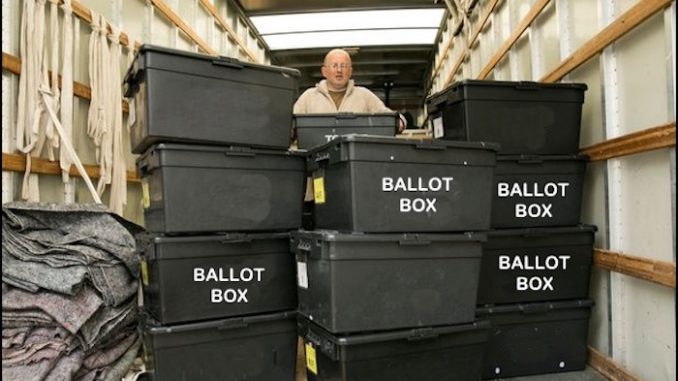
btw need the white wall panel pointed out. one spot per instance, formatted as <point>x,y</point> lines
<point>592,125</point>
<point>162,29</point>
<point>646,195</point>
<point>133,18</point>
<point>650,323</point>
<point>521,56</point>
<point>584,21</point>
<point>643,72</point>
<point>549,37</point>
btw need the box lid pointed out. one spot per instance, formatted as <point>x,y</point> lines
<point>562,238</point>
<point>316,333</point>
<point>537,159</point>
<point>540,164</point>
<point>182,61</point>
<point>206,156</point>
<point>539,232</point>
<point>420,238</point>
<point>513,91</point>
<point>221,237</point>
<point>534,308</point>
<point>159,247</point>
<point>346,119</point>
<point>323,243</point>
<point>155,328</point>
<point>217,60</point>
<point>360,147</point>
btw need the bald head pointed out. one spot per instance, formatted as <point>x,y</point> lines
<point>337,54</point>
<point>337,69</point>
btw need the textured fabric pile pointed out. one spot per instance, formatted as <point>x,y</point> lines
<point>69,293</point>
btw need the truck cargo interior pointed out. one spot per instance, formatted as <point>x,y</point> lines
<point>508,212</point>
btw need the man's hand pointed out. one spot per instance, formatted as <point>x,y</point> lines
<point>402,123</point>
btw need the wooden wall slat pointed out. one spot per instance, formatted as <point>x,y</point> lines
<point>533,13</point>
<point>462,56</point>
<point>618,28</point>
<point>167,11</point>
<point>13,64</point>
<point>85,14</point>
<point>17,163</point>
<point>229,30</point>
<point>483,20</point>
<point>446,52</point>
<point>659,272</point>
<point>650,139</point>
<point>608,367</point>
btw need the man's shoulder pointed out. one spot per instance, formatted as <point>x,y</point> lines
<point>310,90</point>
<point>363,90</point>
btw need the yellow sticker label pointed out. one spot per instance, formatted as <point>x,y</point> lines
<point>144,272</point>
<point>319,190</point>
<point>145,195</point>
<point>311,364</point>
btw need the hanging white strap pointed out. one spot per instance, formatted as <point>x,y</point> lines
<point>107,122</point>
<point>118,197</point>
<point>70,150</point>
<point>29,92</point>
<point>52,137</point>
<point>94,113</point>
<point>66,100</point>
<point>34,134</point>
<point>98,123</point>
<point>27,19</point>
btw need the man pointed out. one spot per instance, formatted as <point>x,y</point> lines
<point>338,92</point>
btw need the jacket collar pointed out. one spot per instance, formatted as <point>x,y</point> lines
<point>322,87</point>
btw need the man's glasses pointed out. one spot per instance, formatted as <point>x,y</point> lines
<point>336,66</point>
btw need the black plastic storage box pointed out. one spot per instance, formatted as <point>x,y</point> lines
<point>188,97</point>
<point>370,282</point>
<point>523,117</point>
<point>537,191</point>
<point>207,277</point>
<point>446,353</point>
<point>252,348</point>
<point>317,129</point>
<point>536,264</point>
<point>194,189</point>
<point>536,338</point>
<point>379,184</point>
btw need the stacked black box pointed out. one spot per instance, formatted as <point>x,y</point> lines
<point>387,282</point>
<point>536,261</point>
<point>221,193</point>
<point>313,130</point>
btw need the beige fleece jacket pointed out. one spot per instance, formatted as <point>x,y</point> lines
<point>317,100</point>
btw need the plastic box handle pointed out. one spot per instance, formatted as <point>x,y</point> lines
<point>240,153</point>
<point>232,324</point>
<point>538,308</point>
<point>429,146</point>
<point>530,160</point>
<point>414,242</point>
<point>422,334</point>
<point>236,238</point>
<point>131,82</point>
<point>346,115</point>
<point>143,166</point>
<point>228,62</point>
<point>530,233</point>
<point>528,85</point>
